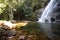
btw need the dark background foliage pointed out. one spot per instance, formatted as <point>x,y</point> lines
<point>28,10</point>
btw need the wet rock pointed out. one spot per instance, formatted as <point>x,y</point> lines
<point>52,19</point>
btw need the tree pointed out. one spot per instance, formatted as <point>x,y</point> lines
<point>11,6</point>
<point>20,9</point>
<point>27,11</point>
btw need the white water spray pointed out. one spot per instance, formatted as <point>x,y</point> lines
<point>47,12</point>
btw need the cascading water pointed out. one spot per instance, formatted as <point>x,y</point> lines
<point>50,13</point>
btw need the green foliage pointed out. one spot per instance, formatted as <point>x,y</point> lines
<point>28,10</point>
<point>2,7</point>
<point>20,9</point>
<point>10,7</point>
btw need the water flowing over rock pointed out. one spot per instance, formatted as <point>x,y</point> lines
<point>51,15</point>
<point>51,12</point>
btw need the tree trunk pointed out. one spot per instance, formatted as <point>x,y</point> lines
<point>11,14</point>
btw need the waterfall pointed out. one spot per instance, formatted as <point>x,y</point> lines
<point>48,12</point>
<point>51,15</point>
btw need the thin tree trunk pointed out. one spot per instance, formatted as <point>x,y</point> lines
<point>11,15</point>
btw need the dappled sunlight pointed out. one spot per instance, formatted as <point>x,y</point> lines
<point>2,6</point>
<point>12,25</point>
<point>21,24</point>
<point>18,25</point>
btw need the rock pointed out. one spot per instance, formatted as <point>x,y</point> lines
<point>3,38</point>
<point>2,32</point>
<point>30,36</point>
<point>52,19</point>
<point>5,27</point>
<point>11,32</point>
<point>6,32</point>
<point>11,38</point>
<point>22,37</point>
<point>13,21</point>
<point>8,24</point>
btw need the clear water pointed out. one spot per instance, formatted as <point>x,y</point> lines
<point>52,30</point>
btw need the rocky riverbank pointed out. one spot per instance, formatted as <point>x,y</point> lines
<point>31,31</point>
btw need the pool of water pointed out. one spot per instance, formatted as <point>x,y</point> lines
<point>52,30</point>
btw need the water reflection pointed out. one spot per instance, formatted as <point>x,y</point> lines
<point>52,30</point>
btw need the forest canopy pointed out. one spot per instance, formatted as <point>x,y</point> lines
<point>20,9</point>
